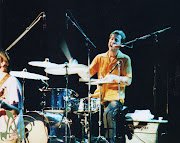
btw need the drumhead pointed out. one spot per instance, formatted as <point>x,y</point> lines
<point>55,110</point>
<point>36,128</point>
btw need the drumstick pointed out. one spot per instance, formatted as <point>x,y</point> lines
<point>65,50</point>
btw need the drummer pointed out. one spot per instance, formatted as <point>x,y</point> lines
<point>10,100</point>
<point>106,66</point>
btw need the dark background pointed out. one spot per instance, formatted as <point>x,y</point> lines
<point>98,19</point>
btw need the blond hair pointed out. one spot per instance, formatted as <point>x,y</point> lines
<point>4,58</point>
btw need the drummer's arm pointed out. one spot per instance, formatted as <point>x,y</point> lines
<point>89,72</point>
<point>123,80</point>
<point>84,74</point>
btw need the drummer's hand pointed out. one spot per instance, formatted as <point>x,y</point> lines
<point>73,61</point>
<point>115,78</point>
<point>110,78</point>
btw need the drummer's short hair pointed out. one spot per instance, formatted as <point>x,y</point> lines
<point>4,58</point>
<point>119,32</point>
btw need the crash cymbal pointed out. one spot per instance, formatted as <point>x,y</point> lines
<point>61,69</point>
<point>44,64</point>
<point>28,75</point>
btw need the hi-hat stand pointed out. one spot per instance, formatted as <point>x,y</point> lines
<point>100,123</point>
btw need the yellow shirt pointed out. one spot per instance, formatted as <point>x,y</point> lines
<point>102,66</point>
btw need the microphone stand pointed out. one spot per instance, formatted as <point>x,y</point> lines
<point>146,36</point>
<point>154,66</point>
<point>89,85</point>
<point>27,30</point>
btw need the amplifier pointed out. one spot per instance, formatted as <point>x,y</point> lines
<point>144,131</point>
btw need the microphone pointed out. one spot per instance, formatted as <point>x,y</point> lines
<point>67,20</point>
<point>117,63</point>
<point>44,19</point>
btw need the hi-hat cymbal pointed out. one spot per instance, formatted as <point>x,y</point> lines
<point>44,64</point>
<point>87,80</point>
<point>61,69</point>
<point>100,82</point>
<point>28,75</point>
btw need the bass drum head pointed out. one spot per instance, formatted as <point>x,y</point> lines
<point>36,128</point>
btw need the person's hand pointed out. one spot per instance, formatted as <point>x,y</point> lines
<point>115,78</point>
<point>110,78</point>
<point>73,61</point>
<point>1,91</point>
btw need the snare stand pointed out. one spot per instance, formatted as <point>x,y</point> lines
<point>85,128</point>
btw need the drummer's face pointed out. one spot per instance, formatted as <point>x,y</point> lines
<point>114,39</point>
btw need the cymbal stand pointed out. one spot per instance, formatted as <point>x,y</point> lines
<point>66,102</point>
<point>88,41</point>
<point>23,97</point>
<point>100,137</point>
<point>23,90</point>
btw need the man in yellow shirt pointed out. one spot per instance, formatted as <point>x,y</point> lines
<point>112,66</point>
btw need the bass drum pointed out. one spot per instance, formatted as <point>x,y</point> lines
<point>36,128</point>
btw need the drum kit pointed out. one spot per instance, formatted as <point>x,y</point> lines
<point>51,124</point>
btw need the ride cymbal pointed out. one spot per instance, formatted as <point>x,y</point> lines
<point>63,69</point>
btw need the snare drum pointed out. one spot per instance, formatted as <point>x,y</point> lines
<point>36,128</point>
<point>55,100</point>
<point>83,105</point>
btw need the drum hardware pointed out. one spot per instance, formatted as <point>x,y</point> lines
<point>66,121</point>
<point>85,126</point>
<point>59,69</point>
<point>66,101</point>
<point>26,75</point>
<point>57,123</point>
<point>100,137</point>
<point>65,69</point>
<point>83,106</point>
<point>88,58</point>
<point>100,82</point>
